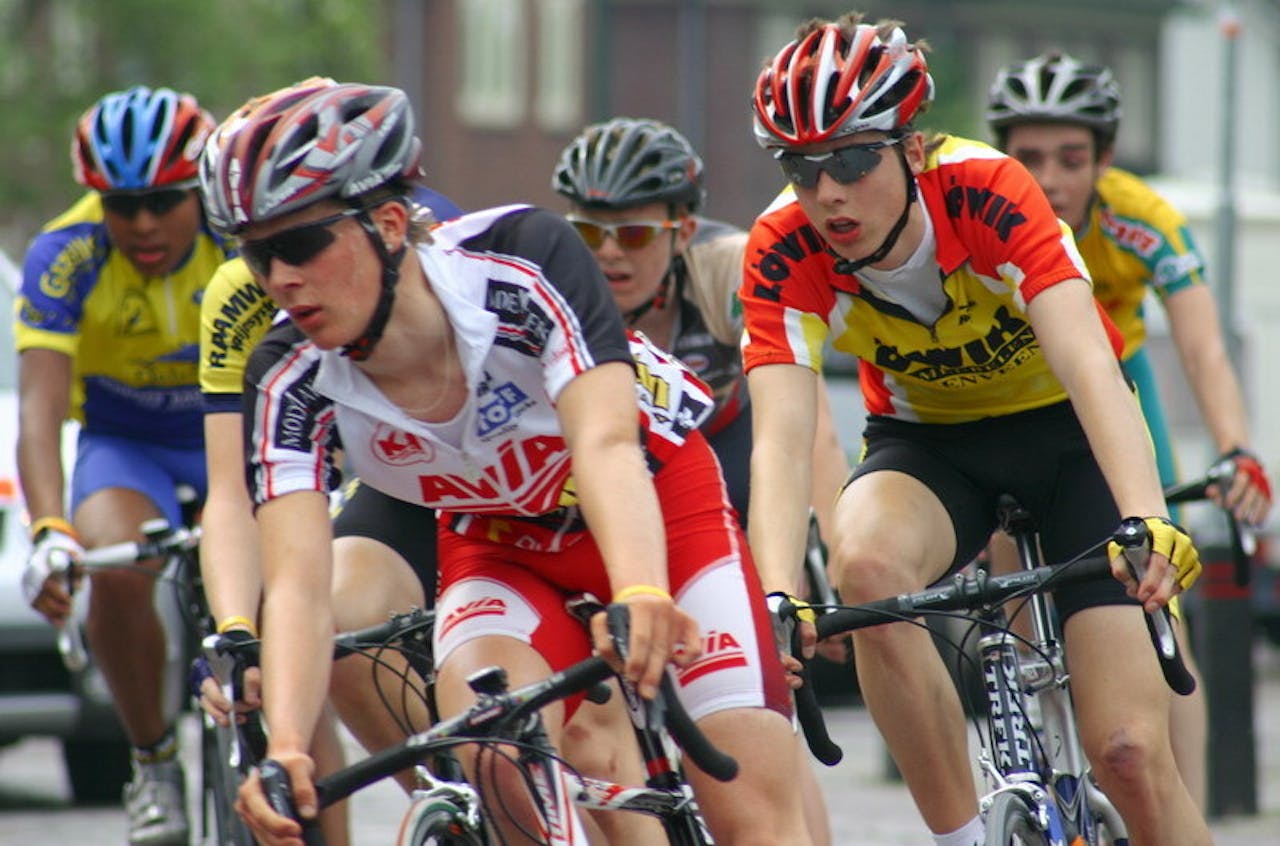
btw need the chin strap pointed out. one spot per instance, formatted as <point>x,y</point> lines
<point>672,279</point>
<point>361,348</point>
<point>851,266</point>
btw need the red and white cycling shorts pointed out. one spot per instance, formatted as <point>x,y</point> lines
<point>489,588</point>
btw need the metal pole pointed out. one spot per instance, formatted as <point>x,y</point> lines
<point>600,83</point>
<point>1225,634</point>
<point>691,97</point>
<point>1224,272</point>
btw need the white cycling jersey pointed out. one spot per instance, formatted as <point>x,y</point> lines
<point>531,311</point>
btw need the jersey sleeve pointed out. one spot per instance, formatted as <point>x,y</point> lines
<point>234,315</point>
<point>568,317</point>
<point>1178,263</point>
<point>785,293</point>
<point>290,434</point>
<point>1011,230</point>
<point>58,273</point>
<point>715,273</point>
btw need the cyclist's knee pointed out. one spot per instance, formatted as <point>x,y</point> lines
<point>1128,757</point>
<point>113,515</point>
<point>863,573</point>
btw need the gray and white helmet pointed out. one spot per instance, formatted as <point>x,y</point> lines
<point>314,140</point>
<point>627,162</point>
<point>1055,88</point>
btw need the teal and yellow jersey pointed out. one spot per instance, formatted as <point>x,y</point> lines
<point>1134,239</point>
<point>133,340</point>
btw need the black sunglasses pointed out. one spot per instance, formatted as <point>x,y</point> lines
<point>846,164</point>
<point>127,204</point>
<point>295,246</point>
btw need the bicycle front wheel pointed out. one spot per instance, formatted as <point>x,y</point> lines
<point>437,822</point>
<point>1010,823</point>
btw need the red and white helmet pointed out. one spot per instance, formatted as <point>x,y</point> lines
<point>838,80</point>
<point>314,140</point>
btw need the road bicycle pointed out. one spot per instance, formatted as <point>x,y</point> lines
<point>1040,789</point>
<point>224,757</point>
<point>449,811</point>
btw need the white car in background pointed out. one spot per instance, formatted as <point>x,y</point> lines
<point>38,695</point>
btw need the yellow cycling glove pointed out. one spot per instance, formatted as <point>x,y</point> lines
<point>1171,541</point>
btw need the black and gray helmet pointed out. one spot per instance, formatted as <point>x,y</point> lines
<point>627,162</point>
<point>1055,88</point>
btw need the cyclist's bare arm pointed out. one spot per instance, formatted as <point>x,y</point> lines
<point>597,414</point>
<point>228,547</point>
<point>1197,333</point>
<point>229,564</point>
<point>297,624</point>
<point>783,415</point>
<point>1075,344</point>
<point>44,391</point>
<point>830,465</point>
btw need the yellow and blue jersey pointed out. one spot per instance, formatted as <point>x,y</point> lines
<point>1134,239</point>
<point>133,340</point>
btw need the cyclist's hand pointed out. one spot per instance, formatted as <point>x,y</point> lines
<point>211,698</point>
<point>44,580</point>
<point>268,827</point>
<point>660,633</point>
<point>1173,566</point>
<point>1247,494</point>
<point>803,624</point>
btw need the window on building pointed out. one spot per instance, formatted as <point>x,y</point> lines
<point>492,35</point>
<point>558,94</point>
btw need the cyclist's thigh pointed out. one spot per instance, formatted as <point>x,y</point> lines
<point>713,578</point>
<point>405,529</point>
<point>907,516</point>
<point>490,590</point>
<point>1116,684</point>
<point>119,483</point>
<point>1074,511</point>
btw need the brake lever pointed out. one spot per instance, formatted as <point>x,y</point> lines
<point>1135,540</point>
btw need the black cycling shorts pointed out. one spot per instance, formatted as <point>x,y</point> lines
<point>1040,457</point>
<point>408,529</point>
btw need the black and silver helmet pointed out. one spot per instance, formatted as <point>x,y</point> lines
<point>627,162</point>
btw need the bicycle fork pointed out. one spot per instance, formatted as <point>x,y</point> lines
<point>1009,762</point>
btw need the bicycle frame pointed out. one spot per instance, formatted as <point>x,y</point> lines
<point>1043,764</point>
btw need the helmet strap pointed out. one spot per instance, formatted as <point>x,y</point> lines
<point>850,266</point>
<point>362,347</point>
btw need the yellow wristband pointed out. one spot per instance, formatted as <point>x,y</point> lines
<point>636,590</point>
<point>57,524</point>
<point>237,622</point>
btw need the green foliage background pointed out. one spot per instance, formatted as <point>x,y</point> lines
<point>58,56</point>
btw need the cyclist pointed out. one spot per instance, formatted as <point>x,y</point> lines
<point>630,182</point>
<point>987,367</point>
<point>1059,117</point>
<point>465,368</point>
<point>635,188</point>
<point>107,327</point>
<point>384,548</point>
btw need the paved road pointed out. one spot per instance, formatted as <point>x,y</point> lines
<point>865,809</point>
